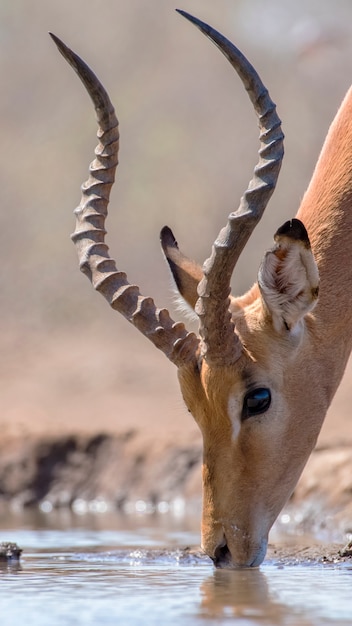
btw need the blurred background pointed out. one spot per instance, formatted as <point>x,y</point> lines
<point>189,142</point>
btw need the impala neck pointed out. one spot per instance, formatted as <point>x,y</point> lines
<point>326,211</point>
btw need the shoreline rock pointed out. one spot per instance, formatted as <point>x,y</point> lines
<point>9,552</point>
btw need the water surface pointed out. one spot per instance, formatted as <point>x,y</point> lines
<point>144,575</point>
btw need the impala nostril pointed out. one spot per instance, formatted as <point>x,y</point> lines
<point>222,556</point>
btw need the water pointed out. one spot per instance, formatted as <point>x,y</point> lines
<point>96,576</point>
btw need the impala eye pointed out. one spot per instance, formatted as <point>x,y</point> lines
<point>256,402</point>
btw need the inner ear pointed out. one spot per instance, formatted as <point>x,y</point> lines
<point>186,273</point>
<point>288,277</point>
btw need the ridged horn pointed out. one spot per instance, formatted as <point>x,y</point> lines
<point>172,338</point>
<point>220,344</point>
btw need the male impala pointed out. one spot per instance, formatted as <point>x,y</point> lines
<point>260,377</point>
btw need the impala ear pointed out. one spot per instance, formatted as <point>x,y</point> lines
<point>186,273</point>
<point>288,277</point>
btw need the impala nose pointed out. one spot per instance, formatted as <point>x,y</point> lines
<point>223,558</point>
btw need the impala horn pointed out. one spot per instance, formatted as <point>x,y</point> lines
<point>220,344</point>
<point>156,324</point>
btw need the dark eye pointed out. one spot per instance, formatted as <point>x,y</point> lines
<point>255,402</point>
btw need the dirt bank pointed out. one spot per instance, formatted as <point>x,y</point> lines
<point>126,472</point>
<point>117,469</point>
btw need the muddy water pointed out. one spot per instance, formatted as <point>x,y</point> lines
<point>86,575</point>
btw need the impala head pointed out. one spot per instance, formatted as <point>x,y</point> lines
<point>241,379</point>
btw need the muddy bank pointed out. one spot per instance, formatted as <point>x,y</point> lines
<point>324,493</point>
<point>117,469</point>
<point>331,554</point>
<point>128,472</point>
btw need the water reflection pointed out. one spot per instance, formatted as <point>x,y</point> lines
<point>240,594</point>
<point>278,596</point>
<point>235,594</point>
<point>10,567</point>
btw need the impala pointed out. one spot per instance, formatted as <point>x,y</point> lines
<point>260,376</point>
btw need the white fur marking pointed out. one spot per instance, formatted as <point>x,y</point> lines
<point>183,307</point>
<point>234,410</point>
